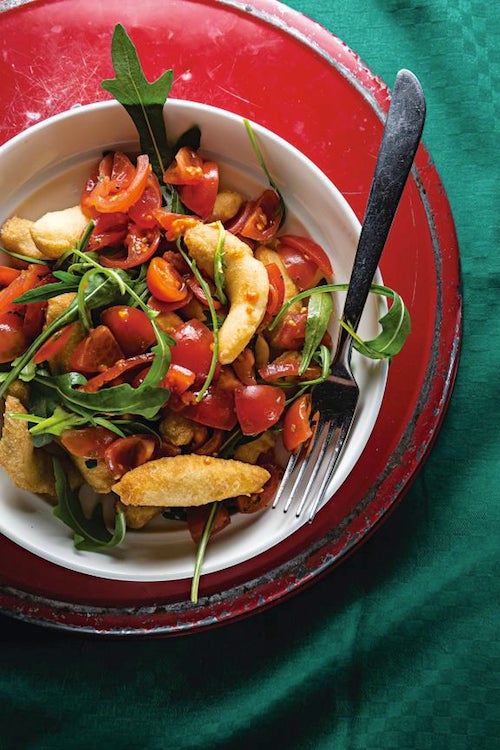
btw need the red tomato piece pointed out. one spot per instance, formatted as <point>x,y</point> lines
<point>310,250</point>
<point>258,407</point>
<point>178,379</point>
<point>260,219</point>
<point>199,292</point>
<point>101,170</point>
<point>8,274</point>
<point>34,319</point>
<point>141,212</point>
<point>296,425</point>
<point>186,169</point>
<point>276,292</point>
<point>87,442</point>
<point>200,197</point>
<point>197,518</point>
<point>292,331</point>
<point>175,225</point>
<point>127,453</point>
<point>12,337</point>
<point>167,307</point>
<point>116,371</point>
<point>216,408</point>
<point>140,244</point>
<point>193,348</point>
<point>54,344</point>
<point>110,230</point>
<point>28,279</point>
<point>123,187</point>
<point>164,282</point>
<point>131,328</point>
<point>98,351</point>
<point>244,367</point>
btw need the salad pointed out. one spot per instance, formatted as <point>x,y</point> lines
<point>160,339</point>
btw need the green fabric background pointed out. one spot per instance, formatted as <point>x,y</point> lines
<point>398,648</point>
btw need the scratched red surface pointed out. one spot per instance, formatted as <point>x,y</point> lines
<point>284,71</point>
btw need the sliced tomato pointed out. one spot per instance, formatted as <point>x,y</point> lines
<point>175,225</point>
<point>292,331</point>
<point>193,349</point>
<point>102,170</point>
<point>123,187</point>
<point>54,345</point>
<point>8,274</point>
<point>178,379</point>
<point>164,282</point>
<point>34,319</point>
<point>98,351</point>
<point>216,408</point>
<point>116,371</point>
<point>296,424</point>
<point>140,244</point>
<point>12,337</point>
<point>186,169</point>
<point>258,407</point>
<point>258,219</point>
<point>200,197</point>
<point>141,212</point>
<point>110,230</point>
<point>197,517</point>
<point>168,307</point>
<point>28,279</point>
<point>199,292</point>
<point>310,249</point>
<point>276,292</point>
<point>287,366</point>
<point>87,442</point>
<point>131,328</point>
<point>124,454</point>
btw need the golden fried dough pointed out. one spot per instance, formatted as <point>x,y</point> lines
<point>58,231</point>
<point>189,480</point>
<point>247,286</point>
<point>15,235</point>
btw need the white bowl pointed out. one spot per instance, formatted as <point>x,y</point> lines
<point>43,169</point>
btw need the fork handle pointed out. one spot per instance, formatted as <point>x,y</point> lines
<point>402,133</point>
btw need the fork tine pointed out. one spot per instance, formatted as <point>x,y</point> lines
<point>292,461</point>
<point>316,455</point>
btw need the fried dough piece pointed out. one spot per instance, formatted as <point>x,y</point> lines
<point>98,477</point>
<point>15,235</point>
<point>137,516</point>
<point>227,204</point>
<point>55,306</point>
<point>29,468</point>
<point>190,479</point>
<point>247,286</point>
<point>58,231</point>
<point>250,452</point>
<point>176,429</point>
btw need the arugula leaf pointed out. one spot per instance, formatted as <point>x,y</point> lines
<point>396,326</point>
<point>319,311</point>
<point>395,323</point>
<point>145,401</point>
<point>89,533</point>
<point>271,180</point>
<point>144,101</point>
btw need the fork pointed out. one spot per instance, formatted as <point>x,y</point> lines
<point>334,401</point>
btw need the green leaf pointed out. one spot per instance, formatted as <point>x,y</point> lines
<point>261,160</point>
<point>89,533</point>
<point>145,401</point>
<point>319,311</point>
<point>144,101</point>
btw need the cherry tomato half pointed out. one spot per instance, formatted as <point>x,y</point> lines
<point>200,197</point>
<point>164,282</point>
<point>124,454</point>
<point>258,407</point>
<point>193,348</point>
<point>131,328</point>
<point>186,169</point>
<point>296,426</point>
<point>140,244</point>
<point>54,345</point>
<point>87,442</point>
<point>12,337</point>
<point>123,187</point>
<point>98,351</point>
<point>197,517</point>
<point>141,212</point>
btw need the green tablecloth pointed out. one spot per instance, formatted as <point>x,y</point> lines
<point>397,648</point>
